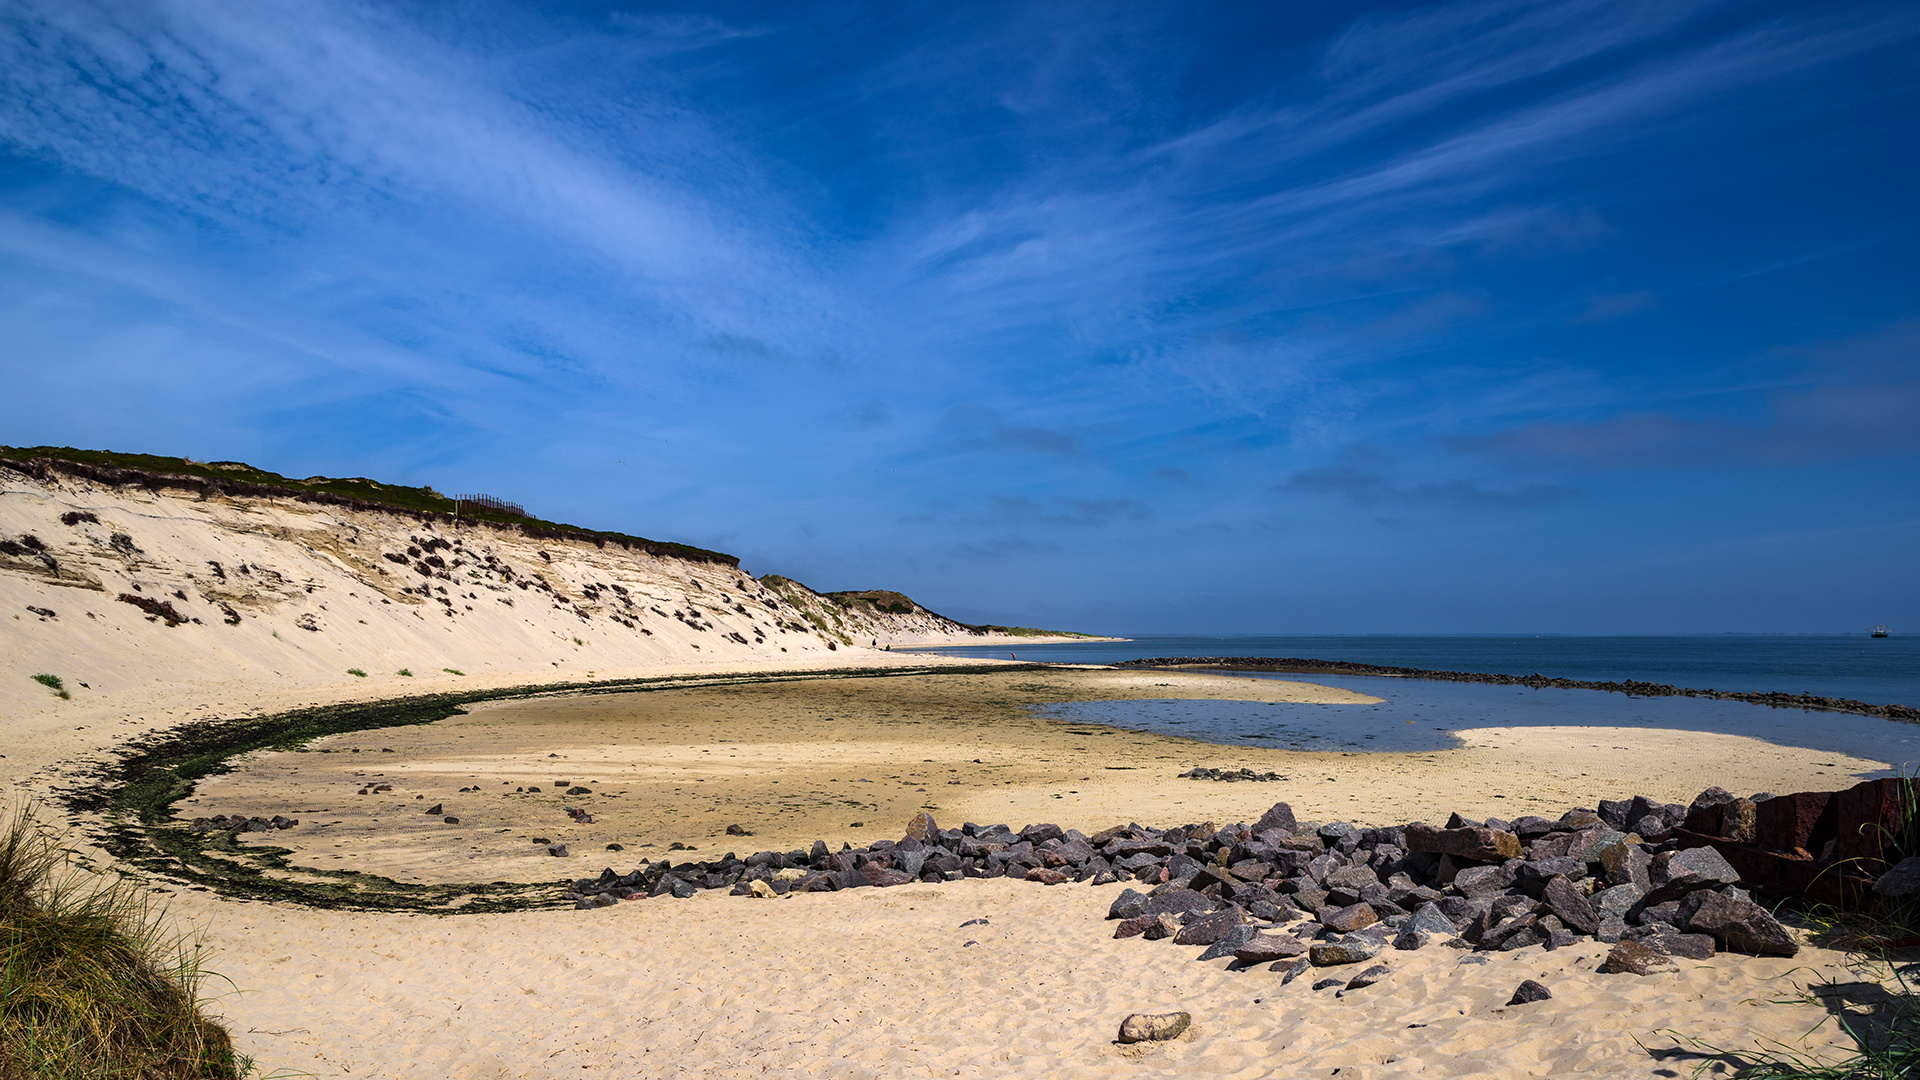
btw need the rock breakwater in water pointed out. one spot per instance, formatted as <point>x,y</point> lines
<point>1631,687</point>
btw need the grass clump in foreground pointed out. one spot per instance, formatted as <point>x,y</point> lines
<point>356,672</point>
<point>91,987</point>
<point>53,683</point>
<point>1880,1011</point>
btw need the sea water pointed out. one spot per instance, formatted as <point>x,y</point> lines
<point>1419,714</point>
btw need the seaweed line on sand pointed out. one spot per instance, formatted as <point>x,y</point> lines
<point>135,791</point>
<point>1630,687</point>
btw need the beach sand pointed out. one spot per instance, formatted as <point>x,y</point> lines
<point>884,982</point>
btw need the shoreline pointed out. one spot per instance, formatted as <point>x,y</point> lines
<point>1299,666</point>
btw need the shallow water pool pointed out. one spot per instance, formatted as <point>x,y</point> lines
<point>1419,714</point>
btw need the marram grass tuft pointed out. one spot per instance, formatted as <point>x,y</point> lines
<point>91,986</point>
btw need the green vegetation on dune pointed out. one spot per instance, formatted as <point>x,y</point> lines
<point>886,600</point>
<point>91,985</point>
<point>239,476</point>
<point>1027,631</point>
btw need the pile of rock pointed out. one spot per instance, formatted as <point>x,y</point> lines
<point>235,823</point>
<point>1043,853</point>
<point>1302,895</point>
<point>1229,775</point>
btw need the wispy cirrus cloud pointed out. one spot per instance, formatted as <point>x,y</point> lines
<point>1056,272</point>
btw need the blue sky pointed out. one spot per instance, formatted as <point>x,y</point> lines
<point>1457,317</point>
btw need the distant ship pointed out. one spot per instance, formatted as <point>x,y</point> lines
<point>1879,631</point>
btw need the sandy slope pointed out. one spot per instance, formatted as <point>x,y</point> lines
<point>293,594</point>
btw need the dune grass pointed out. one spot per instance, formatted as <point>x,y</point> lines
<point>1880,1012</point>
<point>453,671</point>
<point>53,683</point>
<point>92,987</point>
<point>356,672</point>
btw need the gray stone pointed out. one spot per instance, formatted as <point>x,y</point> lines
<point>1325,984</point>
<point>1481,881</point>
<point>1531,827</point>
<point>1570,906</point>
<point>1530,991</point>
<point>1279,817</point>
<point>1164,925</point>
<point>1505,907</point>
<point>1295,970</point>
<point>1367,978</point>
<point>1176,901</point>
<point>1430,919</point>
<point>1230,943</point>
<point>1626,864</point>
<point>1135,926</point>
<point>1667,912</point>
<point>1211,927</point>
<point>1677,873</point>
<point>1653,827</point>
<point>1348,919</point>
<point>1617,900</point>
<point>1743,926</point>
<point>1154,1027</point>
<point>1266,948</point>
<point>1268,910</point>
<point>1462,910</point>
<point>1588,845</point>
<point>1901,881</point>
<point>1409,939</point>
<point>1346,949</point>
<point>1338,832</point>
<point>1353,878</point>
<point>1497,937</point>
<point>1666,940</point>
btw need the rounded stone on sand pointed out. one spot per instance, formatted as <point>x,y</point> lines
<point>1154,1027</point>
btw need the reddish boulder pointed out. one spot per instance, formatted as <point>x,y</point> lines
<point>1475,842</point>
<point>1865,815</point>
<point>1631,956</point>
<point>1802,821</point>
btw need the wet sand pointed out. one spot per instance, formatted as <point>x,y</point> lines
<point>853,759</point>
